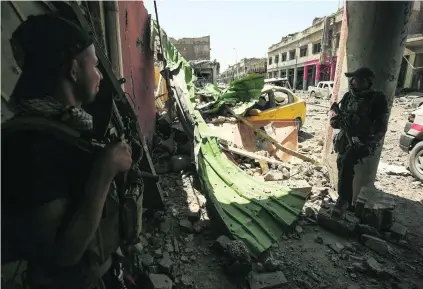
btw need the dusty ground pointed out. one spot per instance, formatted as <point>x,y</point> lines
<point>180,242</point>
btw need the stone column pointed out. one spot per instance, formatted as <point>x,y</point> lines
<point>305,78</point>
<point>295,78</point>
<point>366,22</point>
<point>332,69</point>
<point>317,73</point>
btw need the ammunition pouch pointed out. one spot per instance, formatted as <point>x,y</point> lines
<point>340,142</point>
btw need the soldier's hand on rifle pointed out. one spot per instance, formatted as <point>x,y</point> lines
<point>117,158</point>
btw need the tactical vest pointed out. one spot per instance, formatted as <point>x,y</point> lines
<point>357,110</point>
<point>96,260</point>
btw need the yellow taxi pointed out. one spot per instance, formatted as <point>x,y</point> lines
<point>281,104</point>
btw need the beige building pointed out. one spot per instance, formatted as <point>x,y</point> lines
<point>243,68</point>
<point>197,48</point>
<point>308,56</point>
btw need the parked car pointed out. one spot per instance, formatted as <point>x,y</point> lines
<point>285,105</point>
<point>411,141</point>
<point>323,89</point>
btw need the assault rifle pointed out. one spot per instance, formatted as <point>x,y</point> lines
<point>344,126</point>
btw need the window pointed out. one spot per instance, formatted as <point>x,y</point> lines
<point>325,86</point>
<point>276,58</point>
<point>270,60</point>
<point>331,85</point>
<point>303,51</point>
<point>317,47</point>
<point>292,54</point>
<point>284,56</point>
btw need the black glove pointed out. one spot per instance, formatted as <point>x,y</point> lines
<point>334,122</point>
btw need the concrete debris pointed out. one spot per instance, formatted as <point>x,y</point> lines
<point>272,265</point>
<point>368,230</point>
<point>147,260</point>
<point>166,225</point>
<point>169,248</point>
<point>335,225</point>
<point>398,231</point>
<point>337,247</point>
<point>374,266</point>
<point>239,260</point>
<point>166,263</point>
<point>378,245</point>
<point>274,176</point>
<point>158,253</point>
<point>375,208</point>
<point>221,243</point>
<point>267,280</point>
<point>318,240</point>
<point>186,225</point>
<point>186,281</point>
<point>298,229</point>
<point>394,170</point>
<point>160,281</point>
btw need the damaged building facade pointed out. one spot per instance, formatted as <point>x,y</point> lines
<point>197,51</point>
<point>243,68</point>
<point>197,48</point>
<point>206,71</point>
<point>411,73</point>
<point>308,56</point>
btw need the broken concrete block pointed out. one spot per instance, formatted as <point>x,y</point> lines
<point>375,208</point>
<point>351,218</point>
<point>271,265</point>
<point>160,281</point>
<point>147,260</point>
<point>378,245</point>
<point>267,280</point>
<point>273,176</point>
<point>337,247</point>
<point>335,225</point>
<point>166,264</point>
<point>367,230</point>
<point>239,260</point>
<point>221,243</point>
<point>186,225</point>
<point>194,215</point>
<point>186,280</point>
<point>166,224</point>
<point>374,266</point>
<point>398,231</point>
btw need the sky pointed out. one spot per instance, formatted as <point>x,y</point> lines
<point>238,29</point>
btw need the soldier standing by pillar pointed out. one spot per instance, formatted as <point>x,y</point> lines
<point>362,117</point>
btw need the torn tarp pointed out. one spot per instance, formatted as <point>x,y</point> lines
<point>251,210</point>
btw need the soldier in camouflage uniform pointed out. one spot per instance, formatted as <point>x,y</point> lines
<point>363,118</point>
